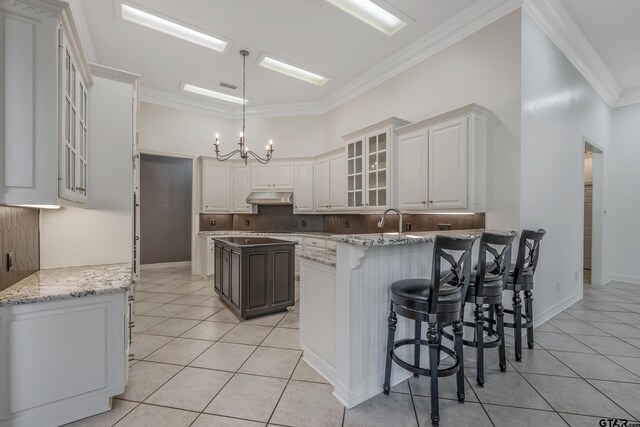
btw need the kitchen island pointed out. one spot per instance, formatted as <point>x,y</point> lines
<point>344,302</point>
<point>63,344</point>
<point>255,276</point>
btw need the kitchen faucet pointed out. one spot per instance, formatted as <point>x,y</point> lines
<point>381,222</point>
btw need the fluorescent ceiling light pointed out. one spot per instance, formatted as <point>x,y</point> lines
<point>372,14</point>
<point>292,71</point>
<point>137,16</point>
<point>40,206</point>
<point>212,94</point>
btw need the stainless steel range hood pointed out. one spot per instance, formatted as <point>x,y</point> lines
<point>270,198</point>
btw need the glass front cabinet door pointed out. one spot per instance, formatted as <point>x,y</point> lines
<point>73,144</point>
<point>369,172</point>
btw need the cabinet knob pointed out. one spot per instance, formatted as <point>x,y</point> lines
<point>424,203</point>
<point>430,201</point>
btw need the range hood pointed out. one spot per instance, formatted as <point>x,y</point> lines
<point>270,198</point>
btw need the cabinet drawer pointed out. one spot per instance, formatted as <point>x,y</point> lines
<point>331,244</point>
<point>314,243</point>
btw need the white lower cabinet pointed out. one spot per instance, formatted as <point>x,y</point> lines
<point>442,162</point>
<point>61,361</point>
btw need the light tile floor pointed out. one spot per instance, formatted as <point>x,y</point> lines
<point>196,364</point>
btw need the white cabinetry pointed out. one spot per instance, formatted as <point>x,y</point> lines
<point>448,163</point>
<point>337,182</point>
<point>369,171</point>
<point>272,176</point>
<point>46,83</point>
<point>61,361</point>
<point>241,189</point>
<point>217,186</point>
<point>442,162</point>
<point>330,183</point>
<point>303,187</point>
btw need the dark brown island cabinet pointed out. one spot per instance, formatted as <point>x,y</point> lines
<point>255,276</point>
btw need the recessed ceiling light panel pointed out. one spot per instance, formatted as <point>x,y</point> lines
<point>155,22</point>
<point>212,94</point>
<point>372,14</point>
<point>293,71</point>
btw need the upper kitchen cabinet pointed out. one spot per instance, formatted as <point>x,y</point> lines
<point>241,190</point>
<point>46,84</point>
<point>303,187</point>
<point>330,183</point>
<point>217,186</point>
<point>369,171</point>
<point>441,162</point>
<point>272,176</point>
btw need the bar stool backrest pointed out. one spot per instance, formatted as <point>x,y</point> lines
<point>459,267</point>
<point>499,247</point>
<point>528,252</point>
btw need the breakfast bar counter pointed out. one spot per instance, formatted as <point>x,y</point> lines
<point>343,326</point>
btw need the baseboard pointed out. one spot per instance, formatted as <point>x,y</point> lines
<point>617,278</point>
<point>547,314</point>
<point>165,265</point>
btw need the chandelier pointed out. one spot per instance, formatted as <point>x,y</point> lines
<point>243,150</point>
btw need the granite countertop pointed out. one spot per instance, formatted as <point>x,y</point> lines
<point>66,283</point>
<point>380,239</point>
<point>246,242</point>
<point>316,234</point>
<point>322,256</point>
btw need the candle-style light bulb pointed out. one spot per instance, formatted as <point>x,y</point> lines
<point>271,143</point>
<point>217,139</point>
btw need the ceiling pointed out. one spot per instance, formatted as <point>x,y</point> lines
<point>317,36</point>
<point>611,27</point>
<point>310,33</point>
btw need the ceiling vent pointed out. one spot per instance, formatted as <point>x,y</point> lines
<point>228,85</point>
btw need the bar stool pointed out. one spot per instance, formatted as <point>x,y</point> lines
<point>521,279</point>
<point>485,292</point>
<point>436,301</point>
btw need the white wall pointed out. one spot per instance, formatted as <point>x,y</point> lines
<point>624,201</point>
<point>172,131</point>
<point>483,68</point>
<point>101,233</point>
<point>559,108</point>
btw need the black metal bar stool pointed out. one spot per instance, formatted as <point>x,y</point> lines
<point>436,301</point>
<point>521,279</point>
<point>485,291</point>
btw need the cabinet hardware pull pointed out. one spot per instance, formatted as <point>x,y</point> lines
<point>424,203</point>
<point>430,201</point>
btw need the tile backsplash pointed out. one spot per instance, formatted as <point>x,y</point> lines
<point>20,234</point>
<point>282,219</point>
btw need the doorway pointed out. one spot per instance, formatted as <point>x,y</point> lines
<point>165,210</point>
<point>593,212</point>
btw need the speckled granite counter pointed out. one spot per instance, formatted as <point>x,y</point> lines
<point>322,256</point>
<point>386,239</point>
<point>65,283</point>
<point>267,233</point>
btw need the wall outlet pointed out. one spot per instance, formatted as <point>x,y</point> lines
<point>247,222</point>
<point>442,227</point>
<point>213,222</point>
<point>557,286</point>
<point>575,276</point>
<point>346,224</point>
<point>304,222</point>
<point>11,261</point>
<point>407,226</point>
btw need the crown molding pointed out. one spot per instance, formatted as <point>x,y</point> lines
<point>393,122</point>
<point>559,26</point>
<point>113,74</point>
<point>458,112</point>
<point>629,97</point>
<point>466,22</point>
<point>167,99</point>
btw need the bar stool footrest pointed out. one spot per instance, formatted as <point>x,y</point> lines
<point>445,372</point>
<point>493,341</point>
